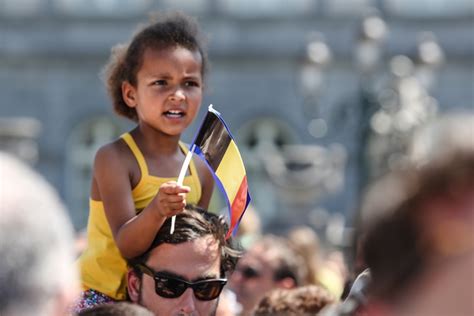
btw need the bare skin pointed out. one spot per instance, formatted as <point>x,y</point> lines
<point>202,254</point>
<point>167,97</point>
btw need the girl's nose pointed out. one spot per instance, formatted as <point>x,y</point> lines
<point>178,95</point>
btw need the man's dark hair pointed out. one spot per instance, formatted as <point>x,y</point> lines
<point>191,224</point>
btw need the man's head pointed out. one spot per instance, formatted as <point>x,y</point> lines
<point>300,301</point>
<point>183,273</point>
<point>270,263</point>
<point>418,239</point>
<point>37,274</point>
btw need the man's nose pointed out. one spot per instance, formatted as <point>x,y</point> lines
<point>188,303</point>
<point>236,276</point>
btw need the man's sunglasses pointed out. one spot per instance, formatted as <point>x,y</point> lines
<point>171,287</point>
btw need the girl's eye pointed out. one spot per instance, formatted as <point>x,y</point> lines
<point>159,83</point>
<point>192,84</point>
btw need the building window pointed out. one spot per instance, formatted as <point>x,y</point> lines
<point>83,143</point>
<point>261,142</point>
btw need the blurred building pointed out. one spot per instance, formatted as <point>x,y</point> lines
<point>312,89</point>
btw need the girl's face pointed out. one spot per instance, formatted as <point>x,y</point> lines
<point>169,89</point>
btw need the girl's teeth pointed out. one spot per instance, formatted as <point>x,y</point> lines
<point>174,113</point>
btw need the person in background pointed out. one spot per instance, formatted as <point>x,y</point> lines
<point>329,270</point>
<point>156,81</point>
<point>301,301</point>
<point>306,242</point>
<point>272,262</point>
<point>184,273</point>
<point>37,271</point>
<point>250,228</point>
<point>418,237</point>
<point>333,273</point>
<point>228,305</point>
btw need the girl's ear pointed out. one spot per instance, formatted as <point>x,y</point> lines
<point>133,286</point>
<point>129,94</point>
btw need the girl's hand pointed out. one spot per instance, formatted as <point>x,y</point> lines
<point>170,199</point>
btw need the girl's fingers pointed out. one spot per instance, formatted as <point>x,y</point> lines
<point>171,206</point>
<point>174,198</point>
<point>174,189</point>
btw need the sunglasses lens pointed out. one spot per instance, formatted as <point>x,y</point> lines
<point>208,290</point>
<point>169,287</point>
<point>172,288</point>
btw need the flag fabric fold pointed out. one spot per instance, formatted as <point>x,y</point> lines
<point>215,144</point>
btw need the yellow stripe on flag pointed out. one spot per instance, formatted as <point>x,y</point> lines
<point>231,171</point>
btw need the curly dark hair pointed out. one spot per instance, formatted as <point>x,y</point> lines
<point>165,30</point>
<point>304,300</point>
<point>193,223</point>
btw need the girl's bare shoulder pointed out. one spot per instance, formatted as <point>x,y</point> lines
<point>115,155</point>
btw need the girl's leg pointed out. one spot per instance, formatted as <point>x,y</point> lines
<point>90,298</point>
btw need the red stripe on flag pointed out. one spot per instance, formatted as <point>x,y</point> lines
<point>238,205</point>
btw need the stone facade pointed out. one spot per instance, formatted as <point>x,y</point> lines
<point>51,55</point>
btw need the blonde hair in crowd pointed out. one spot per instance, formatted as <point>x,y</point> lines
<point>37,273</point>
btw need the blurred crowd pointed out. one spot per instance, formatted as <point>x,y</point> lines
<point>414,247</point>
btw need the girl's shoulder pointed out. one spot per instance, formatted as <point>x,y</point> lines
<point>116,147</point>
<point>114,154</point>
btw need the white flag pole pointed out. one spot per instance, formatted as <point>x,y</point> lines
<point>181,176</point>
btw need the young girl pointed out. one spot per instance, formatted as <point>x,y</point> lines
<point>156,81</point>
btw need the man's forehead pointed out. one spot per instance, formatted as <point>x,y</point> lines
<point>195,258</point>
<point>260,256</point>
<point>267,253</point>
<point>206,243</point>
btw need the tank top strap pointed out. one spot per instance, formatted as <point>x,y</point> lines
<point>136,152</point>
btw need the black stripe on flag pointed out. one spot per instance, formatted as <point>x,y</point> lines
<point>213,140</point>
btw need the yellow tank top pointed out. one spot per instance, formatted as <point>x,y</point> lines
<point>101,266</point>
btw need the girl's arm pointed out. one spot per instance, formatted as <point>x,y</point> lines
<point>207,183</point>
<point>133,234</point>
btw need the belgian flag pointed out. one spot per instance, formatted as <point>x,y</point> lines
<point>216,145</point>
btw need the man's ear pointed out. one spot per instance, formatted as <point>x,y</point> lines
<point>133,286</point>
<point>129,94</point>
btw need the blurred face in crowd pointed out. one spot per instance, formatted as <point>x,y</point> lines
<point>254,277</point>
<point>190,261</point>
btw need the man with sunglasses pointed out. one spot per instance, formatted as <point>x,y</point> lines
<point>269,264</point>
<point>183,273</point>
